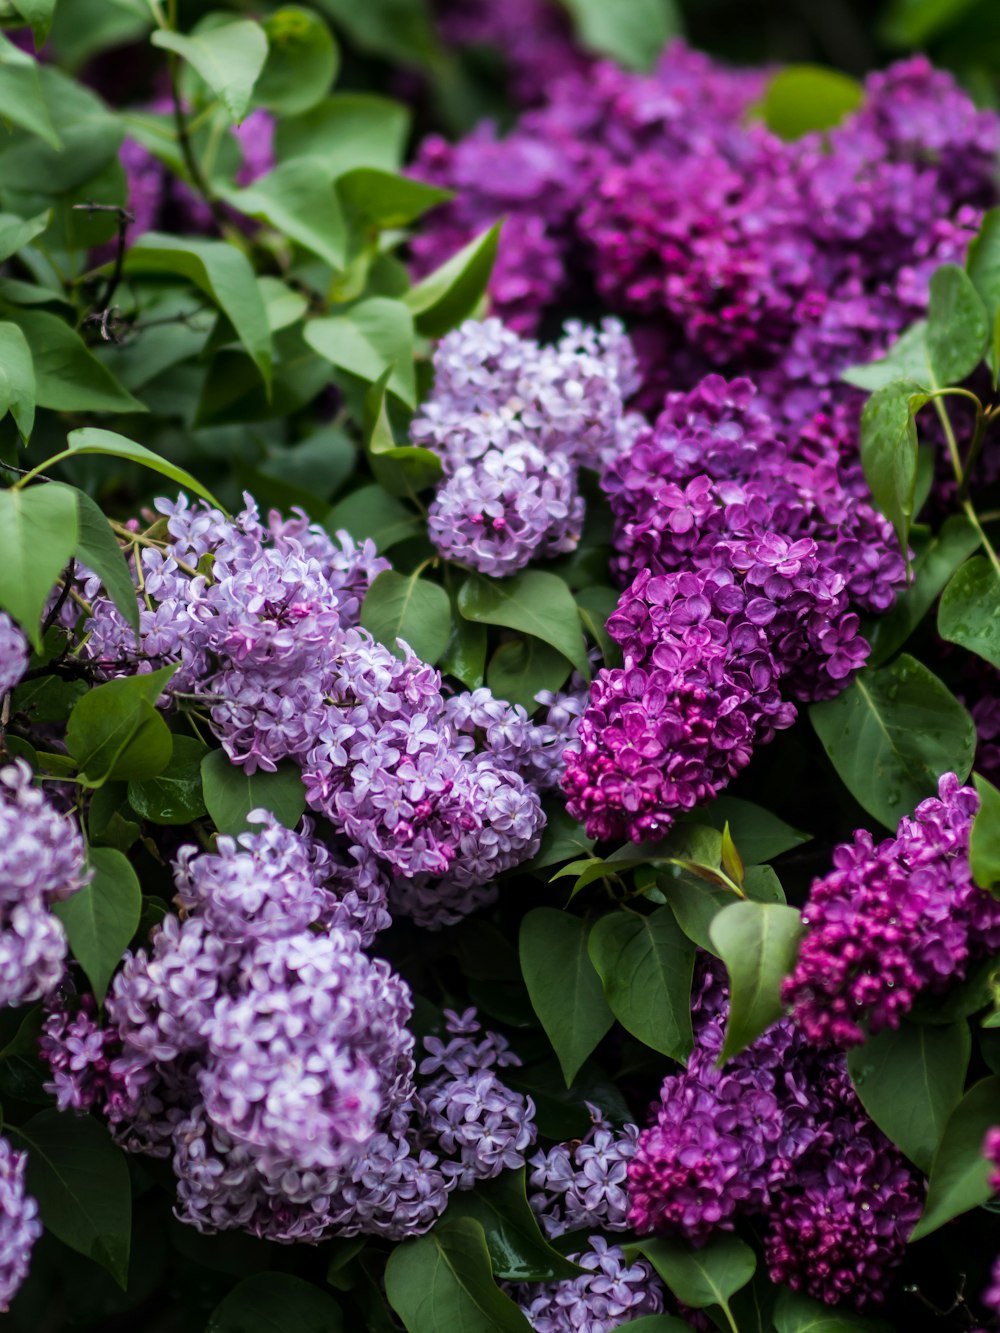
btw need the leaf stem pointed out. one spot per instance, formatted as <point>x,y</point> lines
<point>949,435</point>
<point>187,147</point>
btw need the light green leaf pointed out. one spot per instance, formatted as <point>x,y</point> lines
<point>969,610</point>
<point>229,58</point>
<point>231,793</point>
<point>16,232</point>
<point>984,837</point>
<point>68,377</point>
<point>370,512</point>
<point>705,1276</point>
<point>801,99</point>
<point>302,61</point>
<point>906,359</point>
<point>173,796</point>
<point>373,198</point>
<point>370,338</point>
<point>114,730</point>
<point>634,32</point>
<point>758,942</point>
<point>298,199</point>
<point>959,1177</point>
<point>101,918</point>
<point>38,13</point>
<point>983,265</point>
<point>347,130</point>
<point>17,379</point>
<point>97,548</point>
<point>38,533</point>
<point>407,607</point>
<point>956,325</point>
<point>889,451</point>
<point>93,440</point>
<point>442,299</point>
<point>534,602</point>
<point>21,97</point>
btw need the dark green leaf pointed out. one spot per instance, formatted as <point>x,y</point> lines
<point>228,57</point>
<point>984,837</point>
<point>16,231</point>
<point>959,1176</point>
<point>759,834</point>
<point>562,840</point>
<point>934,565</point>
<point>371,337</point>
<point>219,270</point>
<point>173,796</point>
<point>758,942</point>
<point>407,607</point>
<point>705,1276</point>
<point>230,793</point>
<point>375,198</point>
<point>910,1079</point>
<point>97,548</point>
<point>452,292</point>
<point>444,1281</point>
<point>275,1303</point>
<point>956,325</point>
<point>465,655</point>
<point>21,97</point>
<point>348,130</point>
<point>535,603</point>
<point>565,990</point>
<point>17,377</point>
<point>645,964</point>
<point>518,1250</point>
<point>102,917</point>
<point>370,512</point>
<point>38,533</point>
<point>634,32</point>
<point>116,732</point>
<point>801,99</point>
<point>298,199</point>
<point>969,611</point>
<point>68,377</point>
<point>90,135</point>
<point>80,1180</point>
<point>797,1313</point>
<point>983,264</point>
<point>91,440</point>
<point>302,61</point>
<point>891,735</point>
<point>596,607</point>
<point>519,669</point>
<point>889,451</point>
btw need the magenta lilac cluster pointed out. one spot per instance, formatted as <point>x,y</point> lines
<point>512,423</point>
<point>777,1133</point>
<point>751,549</point>
<point>257,1045</point>
<point>19,1223</point>
<point>42,861</point>
<point>438,792</point>
<point>725,246</point>
<point>891,920</point>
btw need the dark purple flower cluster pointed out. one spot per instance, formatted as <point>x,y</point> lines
<point>892,919</point>
<point>19,1224</point>
<point>748,555</point>
<point>257,1045</point>
<point>533,38</point>
<point>512,423</point>
<point>991,1151</point>
<point>991,1296</point>
<point>776,1133</point>
<point>41,862</point>
<point>439,793</point>
<point>727,246</point>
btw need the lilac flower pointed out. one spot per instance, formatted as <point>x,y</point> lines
<point>991,1296</point>
<point>13,654</point>
<point>891,920</point>
<point>533,38</point>
<point>584,1184</point>
<point>991,1151</point>
<point>19,1224</point>
<point>609,1295</point>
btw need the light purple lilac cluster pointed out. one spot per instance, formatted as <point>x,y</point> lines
<point>749,554</point>
<point>891,920</point>
<point>440,793</point>
<point>42,861</point>
<point>777,1133</point>
<point>13,654</point>
<point>19,1224</point>
<point>512,423</point>
<point>725,246</point>
<point>257,1046</point>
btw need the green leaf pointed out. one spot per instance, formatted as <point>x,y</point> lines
<point>984,837</point>
<point>370,338</point>
<point>889,451</point>
<point>956,325</point>
<point>21,97</point>
<point>348,130</point>
<point>913,23</point>
<point>102,917</point>
<point>596,606</point>
<point>802,99</point>
<point>959,1176</point>
<point>173,796</point>
<point>231,793</point>
<point>370,512</point>
<point>910,1079</point>
<point>97,548</point>
<point>634,32</point>
<point>564,988</point>
<point>90,138</point>
<point>705,1276</point>
<point>465,654</point>
<point>645,964</point>
<point>68,377</point>
<point>402,470</point>
<point>229,58</point>
<point>115,731</point>
<point>444,1281</point>
<point>92,440</point>
<point>81,1182</point>
<point>535,603</point>
<point>891,735</point>
<point>407,607</point>
<point>219,270</point>
<point>518,1250</point>
<point>519,669</point>
<point>302,61</point>
<point>400,30</point>
<point>983,265</point>
<point>381,199</point>
<point>906,359</point>
<point>16,231</point>
<point>797,1313</point>
<point>758,942</point>
<point>298,199</point>
<point>38,532</point>
<point>562,839</point>
<point>934,565</point>
<point>969,611</point>
<point>275,1303</point>
<point>17,379</point>
<point>451,293</point>
<point>759,834</point>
